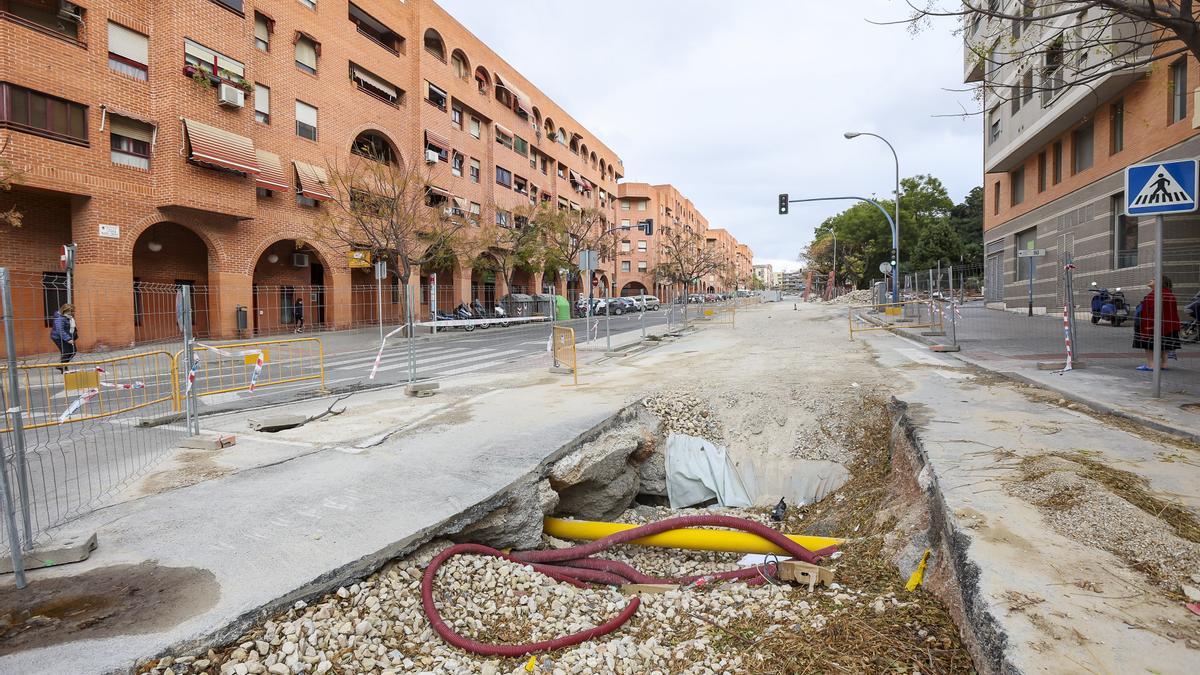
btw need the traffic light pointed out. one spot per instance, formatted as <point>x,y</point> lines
<point>894,258</point>
<point>648,226</point>
<point>783,204</point>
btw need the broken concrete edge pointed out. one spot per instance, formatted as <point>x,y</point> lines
<point>56,552</point>
<point>370,564</point>
<point>958,589</point>
<point>208,441</point>
<point>160,420</point>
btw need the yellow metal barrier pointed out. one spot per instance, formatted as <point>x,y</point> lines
<point>90,389</point>
<point>564,349</point>
<point>892,315</point>
<point>228,368</point>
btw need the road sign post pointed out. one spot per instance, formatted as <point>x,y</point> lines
<point>1032,254</point>
<point>1158,189</point>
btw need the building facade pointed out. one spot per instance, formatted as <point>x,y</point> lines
<point>1054,154</point>
<point>191,142</point>
<point>765,274</point>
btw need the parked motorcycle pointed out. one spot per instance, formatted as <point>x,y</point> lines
<point>1190,331</point>
<point>478,312</point>
<point>461,313</point>
<point>1110,307</point>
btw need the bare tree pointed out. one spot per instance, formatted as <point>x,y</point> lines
<point>1056,45</point>
<point>568,232</point>
<point>8,176</point>
<point>520,244</point>
<point>392,211</point>
<point>685,258</point>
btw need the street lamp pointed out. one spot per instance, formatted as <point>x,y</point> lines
<point>896,221</point>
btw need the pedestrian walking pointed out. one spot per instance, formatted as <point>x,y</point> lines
<point>1143,332</point>
<point>63,333</point>
<point>298,314</point>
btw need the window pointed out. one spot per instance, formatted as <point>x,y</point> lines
<point>994,125</point>
<point>562,170</point>
<point>520,185</point>
<point>435,95</point>
<point>996,198</point>
<point>521,146</point>
<point>1052,72</point>
<point>211,62</point>
<point>1026,241</point>
<point>263,27</point>
<point>456,117</point>
<point>545,166</point>
<point>642,204</point>
<point>626,245</point>
<point>1178,90</point>
<point>376,86</point>
<point>434,45</point>
<point>311,4</point>
<point>307,51</point>
<point>375,31</point>
<point>1017,189</point>
<point>37,113</point>
<point>130,141</point>
<point>1116,127</point>
<point>443,154</point>
<point>503,177</point>
<point>474,170</point>
<point>306,121</point>
<point>128,51</point>
<point>54,293</point>
<point>475,127</point>
<point>262,103</point>
<point>625,266</point>
<point>1058,162</point>
<point>374,147</point>
<point>476,209</point>
<point>1015,98</point>
<point>642,266</point>
<point>1027,87</point>
<point>502,218</point>
<point>1125,234</point>
<point>642,246</point>
<point>504,139</point>
<point>234,5</point>
<point>459,62</point>
<point>64,20</point>
<point>456,164</point>
<point>624,204</point>
<point>1042,171</point>
<point>435,196</point>
<point>307,201</point>
<point>1081,149</point>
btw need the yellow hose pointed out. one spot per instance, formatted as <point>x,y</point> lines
<point>692,539</point>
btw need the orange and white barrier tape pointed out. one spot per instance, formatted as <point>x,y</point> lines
<point>379,355</point>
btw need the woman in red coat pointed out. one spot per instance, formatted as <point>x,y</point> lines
<point>1143,335</point>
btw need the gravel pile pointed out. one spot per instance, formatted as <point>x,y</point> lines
<point>684,413</point>
<point>859,297</point>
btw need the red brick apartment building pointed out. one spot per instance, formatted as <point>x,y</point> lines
<point>1054,156</point>
<point>186,142</point>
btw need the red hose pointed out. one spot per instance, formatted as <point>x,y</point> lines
<point>447,633</point>
<point>591,548</point>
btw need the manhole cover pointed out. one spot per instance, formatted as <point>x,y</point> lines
<point>1191,407</point>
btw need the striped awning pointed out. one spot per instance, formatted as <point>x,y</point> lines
<point>524,103</point>
<point>575,177</point>
<point>312,182</point>
<point>502,128</point>
<point>437,140</point>
<point>460,203</point>
<point>220,148</point>
<point>441,192</point>
<point>270,172</point>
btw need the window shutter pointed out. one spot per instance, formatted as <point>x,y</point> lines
<point>262,29</point>
<point>123,126</point>
<point>262,99</point>
<point>373,81</point>
<point>306,114</point>
<point>306,52</point>
<point>128,44</point>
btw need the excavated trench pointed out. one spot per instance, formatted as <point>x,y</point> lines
<point>878,500</point>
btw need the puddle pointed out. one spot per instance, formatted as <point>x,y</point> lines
<point>1190,407</point>
<point>101,603</point>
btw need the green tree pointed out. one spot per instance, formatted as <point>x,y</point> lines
<point>967,220</point>
<point>939,243</point>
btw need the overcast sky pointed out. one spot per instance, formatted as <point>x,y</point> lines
<point>735,102</point>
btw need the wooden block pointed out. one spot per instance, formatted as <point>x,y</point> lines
<point>647,589</point>
<point>805,573</point>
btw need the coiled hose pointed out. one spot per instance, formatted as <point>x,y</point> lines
<point>574,566</point>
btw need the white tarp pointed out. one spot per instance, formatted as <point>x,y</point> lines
<point>698,471</point>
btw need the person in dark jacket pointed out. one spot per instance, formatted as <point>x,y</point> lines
<point>63,333</point>
<point>1143,332</point>
<point>298,314</point>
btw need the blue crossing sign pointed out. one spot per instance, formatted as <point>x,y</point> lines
<point>1161,187</point>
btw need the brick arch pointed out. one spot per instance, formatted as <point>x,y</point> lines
<point>383,130</point>
<point>328,255</point>
<point>217,255</point>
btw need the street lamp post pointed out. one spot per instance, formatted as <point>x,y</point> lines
<point>896,220</point>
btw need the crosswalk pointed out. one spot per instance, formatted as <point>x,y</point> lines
<point>438,360</point>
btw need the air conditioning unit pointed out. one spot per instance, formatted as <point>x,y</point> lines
<point>299,260</point>
<point>230,96</point>
<point>431,157</point>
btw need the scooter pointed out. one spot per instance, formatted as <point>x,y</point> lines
<point>1110,307</point>
<point>478,312</point>
<point>1190,331</point>
<point>499,313</point>
<point>458,315</point>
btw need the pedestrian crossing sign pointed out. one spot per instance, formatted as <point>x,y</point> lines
<point>1161,187</point>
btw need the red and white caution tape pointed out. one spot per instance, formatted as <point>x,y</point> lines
<point>77,404</point>
<point>379,355</point>
<point>1067,334</point>
<point>224,353</point>
<point>258,364</point>
<point>136,384</point>
<point>191,378</point>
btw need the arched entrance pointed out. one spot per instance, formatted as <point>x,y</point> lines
<point>633,288</point>
<point>601,291</point>
<point>445,265</point>
<point>290,282</point>
<point>486,280</point>
<point>166,257</point>
<point>711,290</point>
<point>367,295</point>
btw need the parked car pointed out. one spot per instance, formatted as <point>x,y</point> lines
<point>623,305</point>
<point>648,302</point>
<point>599,306</point>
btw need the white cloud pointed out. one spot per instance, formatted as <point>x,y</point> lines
<point>737,102</point>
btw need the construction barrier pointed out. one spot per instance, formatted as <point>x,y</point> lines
<point>885,316</point>
<point>89,390</point>
<point>721,314</point>
<point>564,350</point>
<point>247,366</point>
